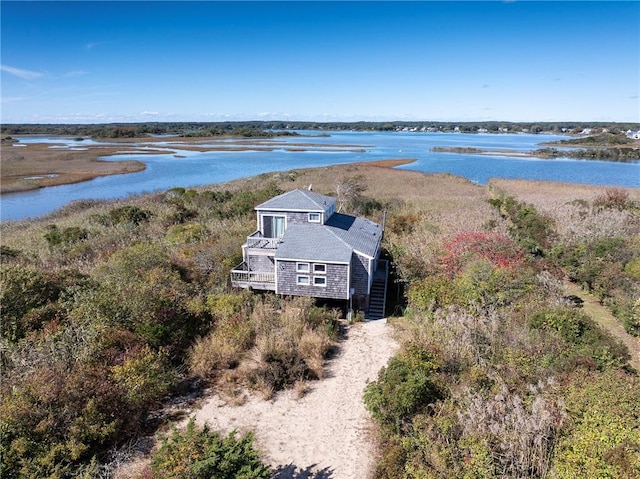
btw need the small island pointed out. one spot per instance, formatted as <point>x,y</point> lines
<point>603,147</point>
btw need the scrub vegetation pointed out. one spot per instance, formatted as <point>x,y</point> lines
<point>501,373</point>
<point>111,310</point>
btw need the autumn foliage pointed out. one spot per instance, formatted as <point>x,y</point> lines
<point>497,249</point>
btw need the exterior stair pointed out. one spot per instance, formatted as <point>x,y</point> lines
<point>378,295</point>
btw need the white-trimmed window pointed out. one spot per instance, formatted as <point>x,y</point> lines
<point>302,267</point>
<point>314,217</point>
<point>319,281</point>
<point>302,280</point>
<point>320,268</point>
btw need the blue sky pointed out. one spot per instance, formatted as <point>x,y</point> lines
<point>92,62</point>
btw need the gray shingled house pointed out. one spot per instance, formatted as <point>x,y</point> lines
<point>303,247</point>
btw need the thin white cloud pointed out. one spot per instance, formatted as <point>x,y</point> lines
<point>10,99</point>
<point>76,73</point>
<point>150,113</point>
<point>91,45</point>
<point>20,72</point>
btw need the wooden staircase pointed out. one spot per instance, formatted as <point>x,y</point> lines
<point>378,295</point>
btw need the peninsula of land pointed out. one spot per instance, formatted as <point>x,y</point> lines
<point>29,166</point>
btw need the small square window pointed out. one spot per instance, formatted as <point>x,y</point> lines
<point>302,267</point>
<point>319,281</point>
<point>320,268</point>
<point>303,280</point>
<point>314,217</point>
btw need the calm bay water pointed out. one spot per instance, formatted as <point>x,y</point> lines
<point>165,171</point>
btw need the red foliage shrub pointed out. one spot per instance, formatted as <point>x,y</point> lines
<point>500,250</point>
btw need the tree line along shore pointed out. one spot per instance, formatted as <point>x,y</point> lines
<point>114,310</point>
<point>275,128</point>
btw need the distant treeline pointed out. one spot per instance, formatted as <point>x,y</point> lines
<point>139,130</point>
<point>277,128</point>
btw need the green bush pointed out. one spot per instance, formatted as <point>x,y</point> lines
<point>532,230</point>
<point>203,454</point>
<point>186,233</point>
<point>144,377</point>
<point>603,437</point>
<point>66,236</point>
<point>403,388</point>
<point>431,293</point>
<point>129,214</point>
<point>8,253</point>
<point>22,289</point>
<point>582,336</point>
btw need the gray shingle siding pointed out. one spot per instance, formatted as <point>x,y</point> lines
<point>293,217</point>
<point>336,281</point>
<point>261,262</point>
<point>360,274</point>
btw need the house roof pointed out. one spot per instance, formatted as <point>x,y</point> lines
<point>313,243</point>
<point>361,234</point>
<point>297,200</point>
<point>335,241</point>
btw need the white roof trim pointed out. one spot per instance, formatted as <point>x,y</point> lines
<point>290,209</point>
<point>313,261</point>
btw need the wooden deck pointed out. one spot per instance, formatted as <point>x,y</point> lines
<point>241,277</point>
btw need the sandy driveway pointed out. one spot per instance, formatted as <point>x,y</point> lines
<point>326,433</point>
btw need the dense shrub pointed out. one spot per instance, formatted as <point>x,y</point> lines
<point>55,419</point>
<point>402,224</point>
<point>292,341</point>
<point>405,387</point>
<point>499,250</point>
<point>532,230</point>
<point>203,454</point>
<point>129,214</point>
<point>584,338</point>
<point>65,236</point>
<point>8,253</point>
<point>186,233</point>
<point>603,435</point>
<point>22,289</point>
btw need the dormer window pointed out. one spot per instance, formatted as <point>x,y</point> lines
<point>314,217</point>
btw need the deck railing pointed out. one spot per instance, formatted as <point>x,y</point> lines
<point>243,278</point>
<point>256,240</point>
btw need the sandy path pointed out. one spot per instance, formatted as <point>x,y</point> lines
<point>608,321</point>
<point>326,433</point>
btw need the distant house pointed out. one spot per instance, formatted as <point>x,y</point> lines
<point>303,247</point>
<point>634,135</point>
